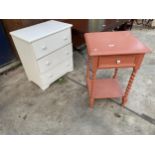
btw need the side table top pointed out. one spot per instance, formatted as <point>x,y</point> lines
<point>113,43</point>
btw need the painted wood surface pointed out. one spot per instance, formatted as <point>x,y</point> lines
<point>50,56</point>
<point>112,50</point>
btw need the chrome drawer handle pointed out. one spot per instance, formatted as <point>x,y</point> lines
<point>44,47</point>
<point>118,61</point>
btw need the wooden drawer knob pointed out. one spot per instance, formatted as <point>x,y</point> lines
<point>118,61</point>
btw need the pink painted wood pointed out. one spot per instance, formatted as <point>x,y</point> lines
<point>112,50</point>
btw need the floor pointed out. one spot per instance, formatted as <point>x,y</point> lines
<point>63,107</point>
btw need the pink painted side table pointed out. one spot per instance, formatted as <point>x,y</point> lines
<point>112,50</point>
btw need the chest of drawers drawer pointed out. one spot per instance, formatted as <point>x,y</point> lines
<point>117,61</point>
<point>51,43</point>
<point>55,58</point>
<point>57,72</point>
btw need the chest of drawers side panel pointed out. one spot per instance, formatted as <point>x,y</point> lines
<point>27,58</point>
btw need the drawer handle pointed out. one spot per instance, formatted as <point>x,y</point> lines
<point>67,53</point>
<point>118,61</point>
<point>47,63</point>
<point>65,38</point>
<point>44,47</point>
<point>50,76</point>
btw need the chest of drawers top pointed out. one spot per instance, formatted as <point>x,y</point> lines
<point>33,33</point>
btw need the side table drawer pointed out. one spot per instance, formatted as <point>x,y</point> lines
<point>116,61</point>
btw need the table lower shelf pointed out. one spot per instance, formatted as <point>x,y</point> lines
<point>105,88</point>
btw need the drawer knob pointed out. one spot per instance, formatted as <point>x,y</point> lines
<point>47,63</point>
<point>44,47</point>
<point>118,61</point>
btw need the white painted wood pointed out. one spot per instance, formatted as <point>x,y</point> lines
<point>45,64</point>
<point>52,75</point>
<point>53,42</point>
<point>35,32</point>
<point>57,57</point>
<point>28,60</point>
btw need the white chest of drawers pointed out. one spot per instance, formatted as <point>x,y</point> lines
<point>45,51</point>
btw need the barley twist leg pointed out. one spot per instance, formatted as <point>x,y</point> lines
<point>125,97</point>
<point>115,73</point>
